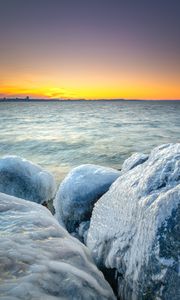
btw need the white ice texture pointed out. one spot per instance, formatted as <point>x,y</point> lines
<point>78,192</point>
<point>40,260</point>
<point>23,179</point>
<point>134,228</point>
<point>133,161</point>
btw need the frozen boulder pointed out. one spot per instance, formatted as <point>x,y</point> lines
<point>23,179</point>
<point>40,260</point>
<point>134,228</point>
<point>133,161</point>
<point>79,191</point>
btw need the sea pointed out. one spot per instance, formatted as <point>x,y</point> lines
<point>61,135</point>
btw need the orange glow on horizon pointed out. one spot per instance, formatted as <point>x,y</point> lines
<point>123,75</point>
<point>141,90</point>
<point>98,80</point>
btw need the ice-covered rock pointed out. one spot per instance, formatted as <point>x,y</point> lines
<point>134,228</point>
<point>23,179</point>
<point>133,161</point>
<point>79,191</point>
<point>40,260</point>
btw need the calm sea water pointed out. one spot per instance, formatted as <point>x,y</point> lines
<point>61,135</point>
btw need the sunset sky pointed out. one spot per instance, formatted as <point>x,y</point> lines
<point>90,49</point>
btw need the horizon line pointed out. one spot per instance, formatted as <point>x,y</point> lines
<point>28,99</point>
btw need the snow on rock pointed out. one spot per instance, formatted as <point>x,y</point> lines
<point>40,260</point>
<point>133,161</point>
<point>134,228</point>
<point>79,191</point>
<point>23,179</point>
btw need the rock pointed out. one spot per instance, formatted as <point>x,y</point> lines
<point>40,260</point>
<point>23,179</point>
<point>133,161</point>
<point>134,228</point>
<point>79,191</point>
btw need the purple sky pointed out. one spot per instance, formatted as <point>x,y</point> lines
<point>78,46</point>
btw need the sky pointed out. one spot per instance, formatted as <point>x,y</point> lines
<point>90,49</point>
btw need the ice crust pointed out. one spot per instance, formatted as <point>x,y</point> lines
<point>23,179</point>
<point>134,228</point>
<point>133,161</point>
<point>78,192</point>
<point>40,260</point>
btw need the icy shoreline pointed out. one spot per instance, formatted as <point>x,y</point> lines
<point>129,220</point>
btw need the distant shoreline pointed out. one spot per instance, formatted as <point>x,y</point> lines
<point>85,100</point>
